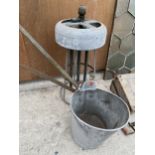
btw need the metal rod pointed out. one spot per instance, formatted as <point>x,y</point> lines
<point>67,64</point>
<point>45,76</point>
<point>75,66</point>
<point>94,64</point>
<point>47,56</point>
<point>78,65</point>
<point>71,55</point>
<point>85,66</point>
<point>82,12</point>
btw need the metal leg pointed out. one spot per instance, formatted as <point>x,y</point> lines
<point>71,64</point>
<point>78,65</point>
<point>85,66</point>
<point>75,65</point>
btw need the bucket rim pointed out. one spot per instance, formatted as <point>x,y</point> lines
<point>97,128</point>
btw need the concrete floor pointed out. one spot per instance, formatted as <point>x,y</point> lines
<point>45,125</point>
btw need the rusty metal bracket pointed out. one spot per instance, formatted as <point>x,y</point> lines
<point>129,129</point>
<point>47,56</point>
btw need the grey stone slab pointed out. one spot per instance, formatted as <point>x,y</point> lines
<point>123,25</point>
<point>131,8</point>
<point>114,44</point>
<point>111,52</point>
<point>116,61</point>
<point>130,61</point>
<point>122,7</point>
<point>123,70</point>
<point>128,44</point>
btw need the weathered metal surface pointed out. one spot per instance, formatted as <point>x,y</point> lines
<point>80,34</point>
<point>86,35</point>
<point>47,56</point>
<point>97,106</point>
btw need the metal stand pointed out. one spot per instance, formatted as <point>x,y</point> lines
<point>73,68</point>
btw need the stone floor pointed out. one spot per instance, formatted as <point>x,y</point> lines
<point>45,125</point>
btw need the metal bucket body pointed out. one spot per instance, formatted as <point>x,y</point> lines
<point>96,114</point>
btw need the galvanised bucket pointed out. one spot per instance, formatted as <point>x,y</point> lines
<point>96,114</point>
